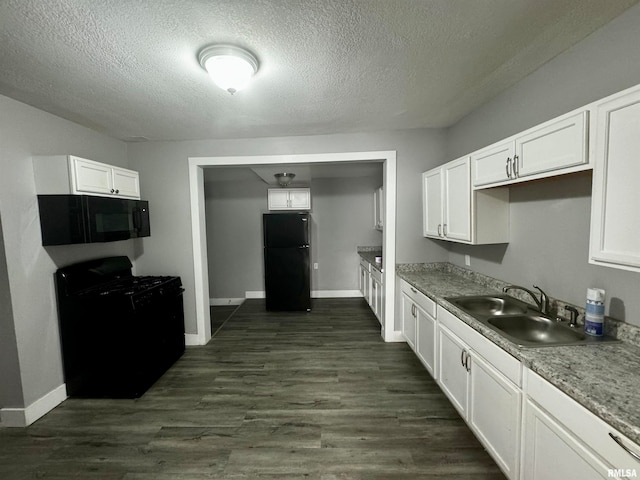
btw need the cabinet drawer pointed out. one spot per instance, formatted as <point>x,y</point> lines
<point>590,429</point>
<point>507,365</point>
<point>424,302</point>
<point>364,264</point>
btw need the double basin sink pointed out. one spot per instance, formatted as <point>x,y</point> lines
<point>520,323</point>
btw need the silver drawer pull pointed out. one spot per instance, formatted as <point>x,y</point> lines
<point>618,440</point>
<point>413,290</point>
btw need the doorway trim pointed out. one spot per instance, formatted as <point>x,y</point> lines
<point>199,235</point>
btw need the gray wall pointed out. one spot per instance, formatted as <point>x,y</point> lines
<point>550,220</point>
<point>26,131</point>
<point>342,219</point>
<point>164,178</point>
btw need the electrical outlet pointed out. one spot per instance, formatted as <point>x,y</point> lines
<point>315,266</point>
<point>467,260</point>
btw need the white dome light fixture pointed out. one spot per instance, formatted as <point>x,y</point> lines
<point>230,67</point>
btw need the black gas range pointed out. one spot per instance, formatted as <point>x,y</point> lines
<point>119,332</point>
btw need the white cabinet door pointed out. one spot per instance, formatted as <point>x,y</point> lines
<point>91,177</point>
<point>556,145</point>
<point>457,200</point>
<point>126,183</point>
<point>615,223</point>
<point>495,413</point>
<point>278,199</point>
<point>300,198</point>
<point>453,362</point>
<point>289,198</point>
<point>493,164</point>
<point>409,321</point>
<point>426,340</point>
<point>363,273</point>
<point>552,452</point>
<point>432,197</point>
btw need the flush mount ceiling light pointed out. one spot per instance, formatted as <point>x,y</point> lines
<point>284,179</point>
<point>229,66</point>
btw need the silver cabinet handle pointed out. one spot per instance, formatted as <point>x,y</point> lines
<point>112,190</point>
<point>467,366</point>
<point>413,290</point>
<point>444,230</point>
<point>618,440</point>
<point>516,169</point>
<point>117,191</point>
<point>462,355</point>
<point>439,227</point>
<point>508,167</point>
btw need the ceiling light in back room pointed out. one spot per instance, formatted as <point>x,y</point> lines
<point>229,67</point>
<point>284,179</point>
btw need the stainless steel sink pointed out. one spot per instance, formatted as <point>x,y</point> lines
<point>535,329</point>
<point>520,323</point>
<point>490,305</point>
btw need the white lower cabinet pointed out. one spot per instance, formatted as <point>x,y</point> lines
<point>419,325</point>
<point>564,440</point>
<point>551,451</point>
<point>483,383</point>
<point>453,373</point>
<point>409,321</point>
<point>365,281</point>
<point>426,338</point>
<point>371,287</point>
<point>377,294</point>
<point>532,430</point>
<point>495,411</point>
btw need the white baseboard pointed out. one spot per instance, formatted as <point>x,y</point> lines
<point>220,302</point>
<point>394,336</point>
<point>335,293</point>
<point>191,339</point>
<point>23,417</point>
<point>314,294</point>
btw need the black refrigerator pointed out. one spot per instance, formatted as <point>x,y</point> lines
<point>286,261</point>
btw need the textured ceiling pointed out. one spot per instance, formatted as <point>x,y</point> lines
<point>129,68</point>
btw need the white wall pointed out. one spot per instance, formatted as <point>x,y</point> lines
<point>164,178</point>
<point>342,219</point>
<point>550,220</point>
<point>26,131</point>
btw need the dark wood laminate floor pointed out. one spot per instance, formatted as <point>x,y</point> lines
<point>274,396</point>
<point>219,315</point>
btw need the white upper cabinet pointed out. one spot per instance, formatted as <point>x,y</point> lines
<point>432,203</point>
<point>555,147</point>
<point>457,200</point>
<point>452,211</point>
<point>289,198</point>
<point>493,164</point>
<point>615,223</point>
<point>68,174</point>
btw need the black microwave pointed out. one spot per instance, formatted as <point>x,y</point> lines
<point>69,219</point>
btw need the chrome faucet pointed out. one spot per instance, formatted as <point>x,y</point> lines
<point>542,304</point>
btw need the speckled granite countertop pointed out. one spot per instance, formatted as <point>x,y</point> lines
<point>604,378</point>
<point>369,254</point>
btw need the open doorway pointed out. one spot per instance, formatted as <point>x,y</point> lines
<point>197,166</point>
